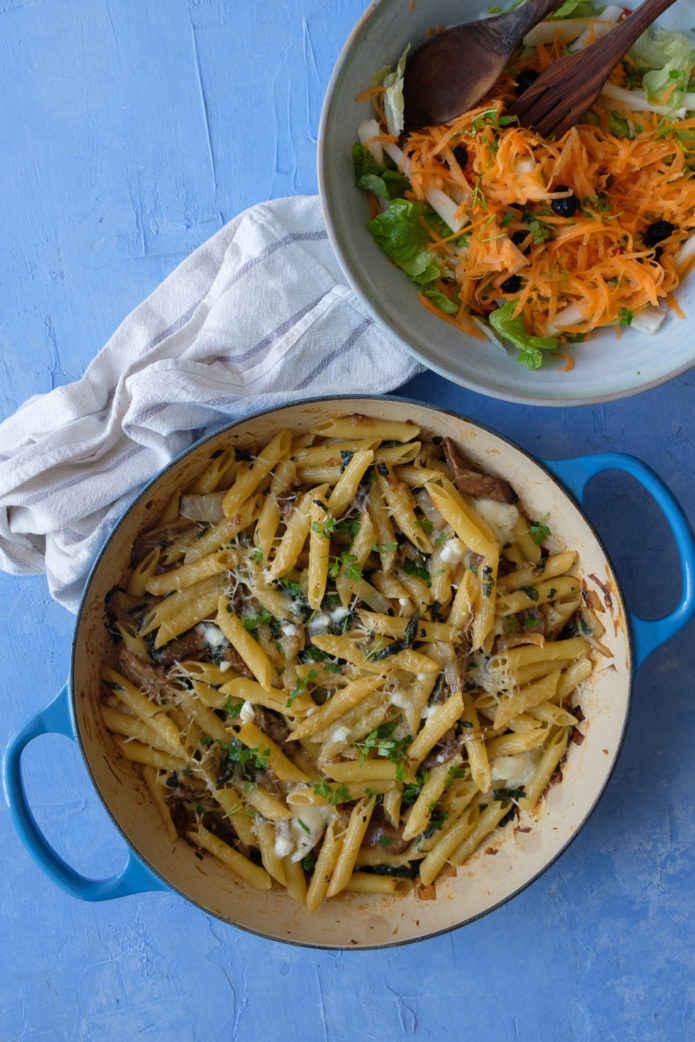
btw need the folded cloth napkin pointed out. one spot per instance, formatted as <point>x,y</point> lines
<point>259,315</point>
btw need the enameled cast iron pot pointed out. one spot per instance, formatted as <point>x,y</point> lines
<point>356,920</point>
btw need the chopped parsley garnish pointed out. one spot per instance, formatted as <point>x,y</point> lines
<point>384,548</point>
<point>349,561</point>
<point>436,821</point>
<point>249,759</point>
<point>340,794</point>
<point>300,686</point>
<point>381,740</point>
<point>232,707</point>
<point>312,654</point>
<point>539,531</point>
<point>508,794</point>
<point>411,791</point>
<point>252,622</point>
<point>291,585</point>
<point>411,568</point>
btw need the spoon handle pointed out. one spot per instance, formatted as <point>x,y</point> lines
<point>514,24</point>
<point>619,40</point>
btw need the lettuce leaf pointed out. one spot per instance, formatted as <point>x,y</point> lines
<point>666,60</point>
<point>394,104</point>
<point>400,235</point>
<point>439,299</point>
<point>512,329</point>
<point>576,9</point>
<point>384,181</point>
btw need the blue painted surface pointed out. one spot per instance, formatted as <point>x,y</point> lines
<point>130,133</point>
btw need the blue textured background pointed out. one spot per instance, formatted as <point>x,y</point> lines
<point>129,133</point>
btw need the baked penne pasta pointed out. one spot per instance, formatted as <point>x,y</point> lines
<point>342,672</point>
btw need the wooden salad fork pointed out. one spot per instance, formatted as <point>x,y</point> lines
<point>564,91</point>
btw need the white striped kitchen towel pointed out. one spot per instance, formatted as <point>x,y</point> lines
<point>257,316</point>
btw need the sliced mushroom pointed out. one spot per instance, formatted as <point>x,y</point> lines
<point>473,481</point>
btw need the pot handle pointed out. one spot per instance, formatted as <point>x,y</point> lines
<point>134,877</point>
<point>575,473</point>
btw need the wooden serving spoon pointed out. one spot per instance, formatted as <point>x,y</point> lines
<point>452,71</point>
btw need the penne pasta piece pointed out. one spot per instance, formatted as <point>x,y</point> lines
<point>253,874</point>
<point>366,883</point>
<point>346,486</point>
<point>475,745</point>
<point>274,865</point>
<point>150,775</point>
<point>252,474</point>
<point>254,738</point>
<point>442,850</point>
<point>295,881</point>
<point>401,505</point>
<point>243,642</point>
<point>221,467</point>
<point>319,548</point>
<point>223,532</point>
<point>394,626</point>
<point>367,771</point>
<point>470,529</point>
<point>541,593</point>
<point>189,574</point>
<point>128,726</point>
<point>545,768</point>
<point>236,812</point>
<point>420,812</point>
<point>440,720</point>
<point>293,539</point>
<point>343,700</point>
<point>366,427</point>
<point>523,698</point>
<point>152,715</point>
<point>555,564</point>
<point>323,870</point>
<point>137,752</point>
<point>488,819</point>
<point>352,840</point>
<point>142,573</point>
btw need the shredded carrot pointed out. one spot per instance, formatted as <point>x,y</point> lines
<point>368,93</point>
<point>461,322</point>
<point>569,361</point>
<point>675,306</point>
<point>568,275</point>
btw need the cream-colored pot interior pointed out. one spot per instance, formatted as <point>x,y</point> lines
<point>356,920</point>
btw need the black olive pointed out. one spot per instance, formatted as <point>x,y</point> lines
<point>657,252</point>
<point>513,284</point>
<point>524,80</point>
<point>566,206</point>
<point>519,236</point>
<point>657,231</point>
<point>461,155</point>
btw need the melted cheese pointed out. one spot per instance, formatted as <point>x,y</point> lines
<point>501,517</point>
